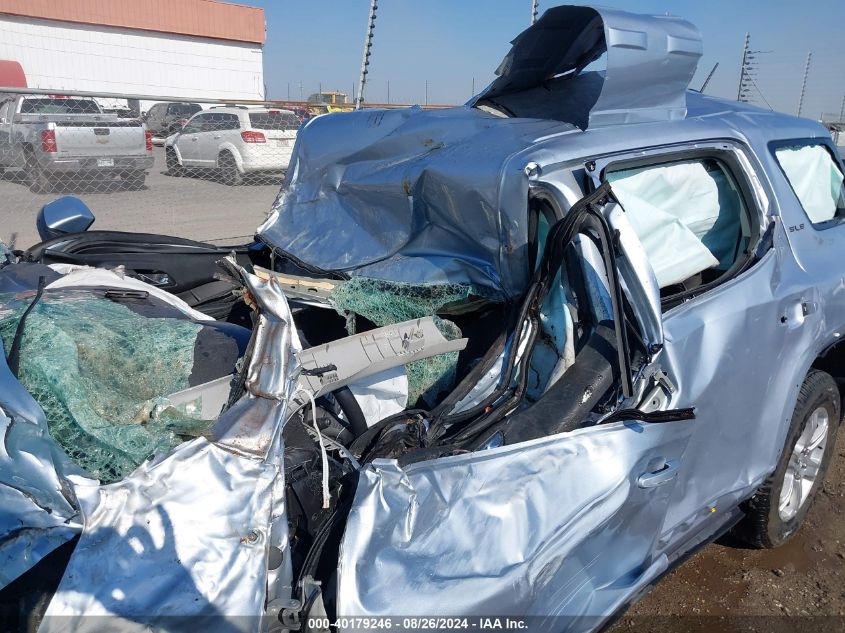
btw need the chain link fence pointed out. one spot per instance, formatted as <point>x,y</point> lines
<point>205,171</point>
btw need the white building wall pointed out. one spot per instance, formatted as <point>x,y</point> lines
<point>65,56</point>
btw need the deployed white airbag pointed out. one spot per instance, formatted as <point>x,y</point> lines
<point>815,178</point>
<point>671,207</point>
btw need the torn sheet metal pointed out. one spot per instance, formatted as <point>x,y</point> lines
<point>190,534</point>
<point>37,502</point>
<point>547,527</point>
<point>159,544</point>
<point>650,62</point>
<point>253,423</point>
<point>410,196</point>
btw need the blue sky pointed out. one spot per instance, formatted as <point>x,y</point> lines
<point>450,43</point>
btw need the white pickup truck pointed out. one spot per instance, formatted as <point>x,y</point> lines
<point>51,137</point>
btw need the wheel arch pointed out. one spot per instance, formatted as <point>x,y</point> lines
<point>832,361</point>
<point>175,149</point>
<point>231,149</point>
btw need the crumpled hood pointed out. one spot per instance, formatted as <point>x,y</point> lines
<point>411,195</point>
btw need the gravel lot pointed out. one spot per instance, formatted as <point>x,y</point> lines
<point>194,206</point>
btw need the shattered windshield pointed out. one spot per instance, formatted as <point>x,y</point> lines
<point>101,373</point>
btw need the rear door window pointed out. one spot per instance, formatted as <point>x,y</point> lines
<point>197,124</point>
<point>816,179</point>
<point>219,121</point>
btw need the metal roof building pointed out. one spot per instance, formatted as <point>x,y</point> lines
<point>190,49</point>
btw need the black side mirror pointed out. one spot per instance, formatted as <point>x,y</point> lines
<point>67,214</point>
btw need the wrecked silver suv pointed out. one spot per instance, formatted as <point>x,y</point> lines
<point>513,358</point>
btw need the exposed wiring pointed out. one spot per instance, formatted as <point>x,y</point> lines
<point>324,457</point>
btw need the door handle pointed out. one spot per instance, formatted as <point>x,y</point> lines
<point>193,138</point>
<point>217,136</point>
<point>659,477</point>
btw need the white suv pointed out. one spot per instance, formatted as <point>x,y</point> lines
<point>235,140</point>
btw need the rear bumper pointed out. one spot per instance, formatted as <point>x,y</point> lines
<point>265,158</point>
<point>95,164</point>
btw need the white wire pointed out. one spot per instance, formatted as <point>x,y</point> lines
<point>323,455</point>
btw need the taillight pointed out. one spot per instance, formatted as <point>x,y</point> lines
<point>250,136</point>
<point>148,139</point>
<point>48,141</point>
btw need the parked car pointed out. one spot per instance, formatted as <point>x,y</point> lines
<point>50,137</point>
<point>164,119</point>
<point>517,358</point>
<point>234,141</point>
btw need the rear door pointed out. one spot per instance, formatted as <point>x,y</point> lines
<point>564,527</point>
<point>728,305</point>
<point>189,139</point>
<point>219,128</point>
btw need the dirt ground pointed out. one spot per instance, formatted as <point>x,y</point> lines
<point>726,587</point>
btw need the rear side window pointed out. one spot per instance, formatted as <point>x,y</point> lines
<point>184,110</point>
<point>273,121</point>
<point>817,181</point>
<point>59,106</point>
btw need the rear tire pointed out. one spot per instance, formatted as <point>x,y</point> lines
<point>39,180</point>
<point>229,170</point>
<point>172,163</point>
<point>780,505</point>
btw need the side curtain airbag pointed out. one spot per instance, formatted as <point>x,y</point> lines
<point>815,178</point>
<point>671,208</point>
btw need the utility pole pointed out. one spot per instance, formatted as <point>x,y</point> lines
<point>747,74</point>
<point>365,62</point>
<point>739,95</point>
<point>288,91</point>
<point>533,13</point>
<point>300,90</point>
<point>426,92</point>
<point>472,94</point>
<point>804,83</point>
<point>842,110</point>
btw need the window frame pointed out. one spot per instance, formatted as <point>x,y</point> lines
<point>724,153</point>
<point>827,143</point>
